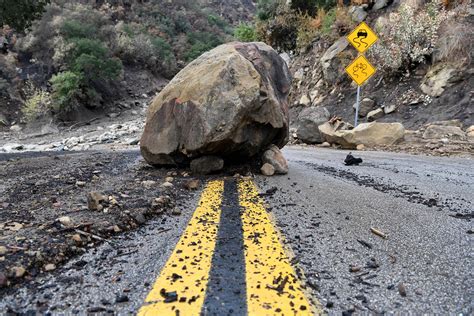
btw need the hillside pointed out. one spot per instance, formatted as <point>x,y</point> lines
<point>87,55</point>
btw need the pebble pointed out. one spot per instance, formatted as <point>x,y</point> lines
<point>80,183</point>
<point>121,299</point>
<point>3,250</point>
<point>148,184</point>
<point>65,220</point>
<point>49,267</point>
<point>169,179</point>
<point>167,185</point>
<point>19,271</point>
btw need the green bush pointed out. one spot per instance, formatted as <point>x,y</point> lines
<point>75,29</point>
<point>245,33</point>
<point>37,102</point>
<point>328,21</point>
<point>201,42</point>
<point>266,9</point>
<point>66,90</point>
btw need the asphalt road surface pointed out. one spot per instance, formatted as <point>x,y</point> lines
<point>304,245</point>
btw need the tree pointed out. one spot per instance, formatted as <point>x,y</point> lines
<point>19,14</point>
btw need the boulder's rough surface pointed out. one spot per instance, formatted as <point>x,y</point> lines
<point>441,131</point>
<point>207,165</point>
<point>274,157</point>
<point>368,134</point>
<point>231,101</point>
<point>438,79</point>
<point>308,122</point>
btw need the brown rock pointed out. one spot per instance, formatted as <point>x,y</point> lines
<point>192,184</point>
<point>230,101</point>
<point>94,200</point>
<point>440,131</point>
<point>49,267</point>
<point>267,170</point>
<point>3,280</point>
<point>207,165</point>
<point>19,272</point>
<point>274,157</point>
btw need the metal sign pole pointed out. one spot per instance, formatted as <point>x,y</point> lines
<point>357,106</point>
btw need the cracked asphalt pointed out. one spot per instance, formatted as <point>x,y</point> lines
<point>324,211</point>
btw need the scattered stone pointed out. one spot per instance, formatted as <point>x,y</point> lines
<point>3,120</point>
<point>389,108</point>
<point>140,218</point>
<point>330,60</point>
<point>325,144</point>
<point>402,289</point>
<point>380,4</point>
<point>65,220</point>
<point>16,128</point>
<point>305,100</point>
<point>375,115</point>
<point>49,267</point>
<point>167,185</point>
<point>308,121</point>
<point>77,238</point>
<point>274,157</point>
<point>117,229</point>
<point>267,170</point>
<point>354,269</point>
<point>360,147</point>
<point>176,212</point>
<point>121,299</point>
<point>358,13</point>
<point>192,184</point>
<point>94,200</point>
<point>207,165</point>
<point>169,179</point>
<point>19,272</point>
<point>3,250</point>
<point>148,184</point>
<point>80,183</point>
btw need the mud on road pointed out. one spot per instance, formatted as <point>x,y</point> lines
<point>44,213</point>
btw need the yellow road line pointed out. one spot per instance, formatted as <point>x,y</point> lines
<point>181,287</point>
<point>273,287</point>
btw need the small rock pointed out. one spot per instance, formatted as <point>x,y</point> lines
<point>354,269</point>
<point>19,272</point>
<point>274,156</point>
<point>176,212</point>
<point>402,289</point>
<point>305,101</point>
<point>16,128</point>
<point>169,179</point>
<point>117,229</point>
<point>167,185</point>
<point>140,218</point>
<point>267,170</point>
<point>375,115</point>
<point>80,183</point>
<point>192,184</point>
<point>94,200</point>
<point>3,250</point>
<point>325,144</point>
<point>389,108</point>
<point>121,299</point>
<point>77,238</point>
<point>49,267</point>
<point>113,115</point>
<point>360,147</point>
<point>65,220</point>
<point>149,184</point>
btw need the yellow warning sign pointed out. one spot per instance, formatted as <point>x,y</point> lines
<point>360,70</point>
<point>362,37</point>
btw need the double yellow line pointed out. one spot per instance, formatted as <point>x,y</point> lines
<point>272,286</point>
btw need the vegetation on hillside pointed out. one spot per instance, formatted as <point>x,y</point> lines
<point>83,50</point>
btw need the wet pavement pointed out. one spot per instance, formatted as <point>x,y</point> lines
<point>324,211</point>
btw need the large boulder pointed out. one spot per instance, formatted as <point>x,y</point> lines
<point>308,122</point>
<point>368,134</point>
<point>444,131</point>
<point>439,78</point>
<point>230,102</point>
<point>333,68</point>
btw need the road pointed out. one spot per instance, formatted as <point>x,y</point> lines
<point>302,246</point>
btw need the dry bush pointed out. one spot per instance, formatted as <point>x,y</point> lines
<point>455,43</point>
<point>37,103</point>
<point>409,36</point>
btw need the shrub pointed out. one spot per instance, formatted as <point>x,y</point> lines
<point>201,42</point>
<point>408,37</point>
<point>37,102</point>
<point>245,33</point>
<point>75,29</point>
<point>266,9</point>
<point>455,42</point>
<point>66,90</point>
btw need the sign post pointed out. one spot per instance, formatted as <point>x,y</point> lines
<point>360,70</point>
